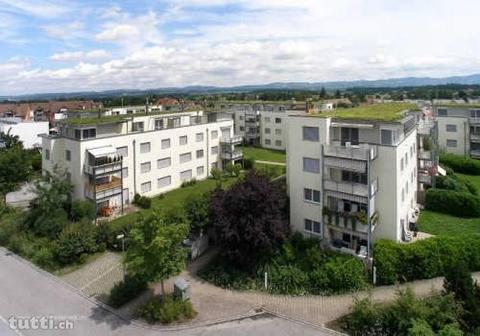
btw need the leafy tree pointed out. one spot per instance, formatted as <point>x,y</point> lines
<point>248,218</point>
<point>233,169</point>
<point>323,93</point>
<point>155,251</point>
<point>451,330</point>
<point>10,141</point>
<point>15,168</point>
<point>82,209</point>
<point>338,94</point>
<point>420,328</point>
<point>197,207</point>
<point>48,213</point>
<point>75,240</point>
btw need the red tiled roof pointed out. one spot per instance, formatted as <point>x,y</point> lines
<point>167,101</point>
<point>23,110</point>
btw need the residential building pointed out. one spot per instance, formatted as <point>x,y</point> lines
<point>110,159</point>
<point>27,131</point>
<point>458,128</point>
<point>352,175</point>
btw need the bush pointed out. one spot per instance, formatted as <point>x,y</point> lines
<point>142,201</point>
<point>107,232</point>
<point>425,259</point>
<point>126,291</point>
<point>166,310</point>
<point>233,169</point>
<point>248,163</point>
<point>460,204</point>
<point>461,164</point>
<point>216,174</point>
<point>82,209</point>
<point>188,183</point>
<point>76,240</point>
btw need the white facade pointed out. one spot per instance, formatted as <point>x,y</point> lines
<point>27,131</point>
<point>351,182</point>
<point>158,153</point>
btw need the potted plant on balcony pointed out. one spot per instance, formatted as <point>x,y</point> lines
<point>328,214</point>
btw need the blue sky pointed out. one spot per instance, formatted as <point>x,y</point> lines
<point>66,45</point>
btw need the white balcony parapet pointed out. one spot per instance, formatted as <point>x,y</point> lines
<point>363,152</point>
<point>357,189</point>
<point>475,153</point>
<point>236,139</point>
<point>235,155</point>
<point>474,120</point>
<point>103,169</point>
<point>424,155</point>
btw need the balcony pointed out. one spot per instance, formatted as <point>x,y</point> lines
<point>475,137</point>
<point>362,153</point>
<point>235,140</point>
<point>104,168</point>
<point>424,155</point>
<point>475,153</point>
<point>232,155</point>
<point>104,190</point>
<point>355,222</point>
<point>352,188</point>
<point>474,120</point>
<point>424,177</point>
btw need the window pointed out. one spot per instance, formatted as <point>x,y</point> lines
<point>145,147</point>
<point>401,164</point>
<point>146,187</point>
<point>122,151</point>
<point>68,155</point>
<point>186,175</point>
<point>451,128</point>
<point>164,163</point>
<point>403,195</point>
<point>125,172</point>
<point>137,126</point>
<point>267,119</point>
<point>387,137</point>
<point>47,154</point>
<point>268,142</point>
<point>199,153</point>
<point>89,133</point>
<point>350,176</point>
<point>406,159</point>
<point>145,167</point>
<point>166,143</point>
<point>242,129</point>
<point>185,157</point>
<point>310,134</point>
<point>350,135</point>
<point>213,165</point>
<point>215,150</point>
<point>278,143</point>
<point>451,143</point>
<point>69,176</point>
<point>78,134</point>
<point>406,187</point>
<point>311,195</point>
<point>267,130</point>
<point>159,124</point>
<point>313,226</point>
<point>183,140</point>
<point>200,170</point>
<point>164,181</point>
<point>475,113</point>
<point>199,137</point>
<point>278,120</point>
<point>311,165</point>
<point>442,112</point>
<point>214,134</point>
<point>240,117</point>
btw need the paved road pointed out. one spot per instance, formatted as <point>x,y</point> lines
<point>24,291</point>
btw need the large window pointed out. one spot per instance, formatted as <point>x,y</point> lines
<point>164,181</point>
<point>89,133</point>
<point>137,126</point>
<point>200,170</point>
<point>349,135</point>
<point>278,143</point>
<point>146,187</point>
<point>267,131</point>
<point>164,163</point>
<point>183,140</point>
<point>311,134</point>
<point>451,127</point>
<point>313,226</point>
<point>145,167</point>
<point>451,143</point>
<point>278,131</point>
<point>186,175</point>
<point>68,155</point>
<point>387,137</point>
<point>268,142</point>
<point>122,151</point>
<point>442,112</point>
<point>311,165</point>
<point>166,143</point>
<point>354,177</point>
<point>185,157</point>
<point>278,120</point>
<point>199,153</point>
<point>311,195</point>
<point>145,147</point>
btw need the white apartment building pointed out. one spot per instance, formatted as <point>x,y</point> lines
<point>27,131</point>
<point>110,159</point>
<point>459,128</point>
<point>352,177</point>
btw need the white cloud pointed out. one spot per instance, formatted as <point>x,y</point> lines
<point>65,31</point>
<point>75,56</point>
<point>43,9</point>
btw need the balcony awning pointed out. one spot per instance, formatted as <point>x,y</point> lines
<point>102,151</point>
<point>350,197</point>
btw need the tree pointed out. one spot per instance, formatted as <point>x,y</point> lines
<point>15,168</point>
<point>323,93</point>
<point>48,213</point>
<point>82,209</point>
<point>249,218</point>
<point>338,94</point>
<point>10,141</point>
<point>76,240</point>
<point>233,169</point>
<point>197,207</point>
<point>420,328</point>
<point>155,252</point>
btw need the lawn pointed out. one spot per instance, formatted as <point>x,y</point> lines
<point>271,170</point>
<point>441,224</point>
<point>381,112</point>
<point>264,154</point>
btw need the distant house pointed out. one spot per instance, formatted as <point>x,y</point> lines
<point>28,131</point>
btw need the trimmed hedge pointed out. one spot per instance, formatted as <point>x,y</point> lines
<point>456,203</point>
<point>425,259</point>
<point>461,164</point>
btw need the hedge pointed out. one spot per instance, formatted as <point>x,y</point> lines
<point>456,203</point>
<point>425,259</point>
<point>461,164</point>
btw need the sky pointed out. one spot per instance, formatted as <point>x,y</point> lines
<point>94,45</point>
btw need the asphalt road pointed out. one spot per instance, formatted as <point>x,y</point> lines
<point>25,293</point>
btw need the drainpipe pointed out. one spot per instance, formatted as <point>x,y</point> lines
<point>134,169</point>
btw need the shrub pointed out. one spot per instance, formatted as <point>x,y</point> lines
<point>248,163</point>
<point>233,169</point>
<point>460,204</point>
<point>126,290</point>
<point>424,259</point>
<point>82,209</point>
<point>461,164</point>
<point>216,174</point>
<point>75,240</point>
<point>166,310</point>
<point>288,279</point>
<point>107,232</point>
<point>142,201</point>
<point>188,183</point>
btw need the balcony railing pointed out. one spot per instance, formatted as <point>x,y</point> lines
<point>475,153</point>
<point>424,178</point>
<point>235,155</point>
<point>235,140</point>
<point>424,155</point>
<point>474,120</point>
<point>112,188</point>
<point>369,152</point>
<point>352,188</point>
<point>107,168</point>
<point>475,136</point>
<point>355,222</point>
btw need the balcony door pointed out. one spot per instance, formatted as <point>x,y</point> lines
<point>349,135</point>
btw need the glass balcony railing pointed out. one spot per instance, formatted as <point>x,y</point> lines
<point>363,152</point>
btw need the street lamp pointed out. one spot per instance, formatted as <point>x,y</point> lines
<point>122,237</point>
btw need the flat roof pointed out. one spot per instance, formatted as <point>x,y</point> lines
<point>458,105</point>
<point>374,112</point>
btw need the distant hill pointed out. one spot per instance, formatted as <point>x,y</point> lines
<point>381,83</point>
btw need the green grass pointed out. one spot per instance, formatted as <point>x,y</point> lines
<point>264,154</point>
<point>380,112</point>
<point>175,198</point>
<point>271,170</point>
<point>442,224</point>
<point>95,120</point>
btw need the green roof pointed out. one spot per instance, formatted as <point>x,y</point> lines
<point>376,112</point>
<point>95,120</point>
